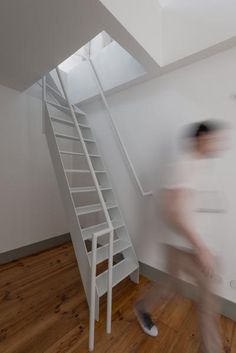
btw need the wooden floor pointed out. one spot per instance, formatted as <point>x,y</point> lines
<point>43,310</point>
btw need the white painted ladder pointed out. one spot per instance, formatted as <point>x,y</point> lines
<point>82,178</point>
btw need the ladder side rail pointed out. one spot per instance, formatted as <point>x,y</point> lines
<point>43,103</point>
<point>78,242</point>
<point>96,235</point>
<point>93,174</point>
<point>117,134</point>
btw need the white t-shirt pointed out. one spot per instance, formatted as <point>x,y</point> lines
<point>203,205</point>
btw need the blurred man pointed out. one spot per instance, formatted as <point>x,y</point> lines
<point>186,195</point>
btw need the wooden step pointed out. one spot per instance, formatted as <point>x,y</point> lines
<point>119,245</point>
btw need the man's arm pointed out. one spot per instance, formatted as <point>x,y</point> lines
<point>174,205</point>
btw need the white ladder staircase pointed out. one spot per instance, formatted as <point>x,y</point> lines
<point>94,217</point>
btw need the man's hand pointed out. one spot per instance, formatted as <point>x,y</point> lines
<point>205,260</point>
<point>174,205</point>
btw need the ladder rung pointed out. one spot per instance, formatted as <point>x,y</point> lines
<point>83,171</point>
<point>119,271</point>
<point>77,170</point>
<point>87,189</point>
<point>69,137</point>
<point>79,154</point>
<point>51,83</point>
<point>83,210</point>
<point>54,90</point>
<point>72,153</point>
<point>62,121</point>
<point>62,107</point>
<point>88,232</point>
<point>119,245</point>
<point>84,126</point>
<point>57,93</point>
<point>95,155</point>
<point>68,122</point>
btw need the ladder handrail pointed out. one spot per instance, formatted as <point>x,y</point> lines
<point>121,143</point>
<point>93,282</point>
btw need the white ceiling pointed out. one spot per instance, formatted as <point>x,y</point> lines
<point>189,26</point>
<point>37,35</point>
<point>196,3</point>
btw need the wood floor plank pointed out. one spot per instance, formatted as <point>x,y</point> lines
<point>163,343</point>
<point>233,342</point>
<point>175,312</point>
<point>43,310</point>
<point>27,270</point>
<point>189,325</point>
<point>25,307</point>
<point>227,326</point>
<point>188,333</point>
<point>123,319</point>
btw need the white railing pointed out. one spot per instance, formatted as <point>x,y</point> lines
<point>43,103</point>
<point>121,143</point>
<point>93,281</point>
<point>109,230</point>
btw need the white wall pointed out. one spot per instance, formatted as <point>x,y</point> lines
<point>143,20</point>
<point>191,26</point>
<point>149,116</point>
<point>30,205</point>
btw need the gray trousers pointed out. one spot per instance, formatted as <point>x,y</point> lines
<point>184,261</point>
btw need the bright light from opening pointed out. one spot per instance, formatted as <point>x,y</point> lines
<point>69,63</point>
<point>90,49</point>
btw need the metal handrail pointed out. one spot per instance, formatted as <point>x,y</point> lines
<point>121,143</point>
<point>109,230</point>
<point>43,103</point>
<point>93,282</point>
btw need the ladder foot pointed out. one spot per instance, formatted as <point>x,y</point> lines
<point>135,276</point>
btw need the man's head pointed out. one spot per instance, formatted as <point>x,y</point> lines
<point>207,138</point>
